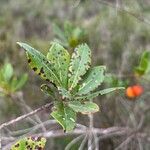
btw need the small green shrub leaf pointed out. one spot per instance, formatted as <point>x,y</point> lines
<point>80,63</point>
<point>21,82</point>
<point>20,145</point>
<point>34,143</point>
<point>7,71</point>
<point>40,64</point>
<point>86,107</point>
<point>144,66</point>
<point>93,79</point>
<point>60,59</point>
<point>65,116</point>
<point>59,33</point>
<point>101,92</point>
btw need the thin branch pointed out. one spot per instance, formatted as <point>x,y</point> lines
<point>120,9</point>
<point>125,142</point>
<point>74,141</point>
<point>83,143</point>
<point>18,98</point>
<point>26,115</point>
<point>106,133</point>
<point>90,144</point>
<point>96,141</point>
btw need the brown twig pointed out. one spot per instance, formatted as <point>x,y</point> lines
<point>105,133</point>
<point>26,115</point>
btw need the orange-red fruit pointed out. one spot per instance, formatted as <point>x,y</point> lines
<point>134,91</point>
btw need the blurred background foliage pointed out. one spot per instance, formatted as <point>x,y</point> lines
<point>117,39</point>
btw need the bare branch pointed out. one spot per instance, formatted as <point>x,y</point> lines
<point>26,115</point>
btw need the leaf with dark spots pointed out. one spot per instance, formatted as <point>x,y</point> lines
<point>81,58</point>
<point>60,59</point>
<point>93,78</point>
<point>33,143</point>
<point>38,60</point>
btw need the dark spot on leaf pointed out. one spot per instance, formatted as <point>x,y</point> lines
<point>17,145</point>
<point>29,60</point>
<point>39,139</point>
<point>34,68</point>
<point>32,138</point>
<point>54,85</point>
<point>47,80</point>
<point>28,146</point>
<point>41,70</point>
<point>39,73</point>
<point>36,147</point>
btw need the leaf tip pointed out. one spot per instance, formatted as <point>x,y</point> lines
<point>19,43</point>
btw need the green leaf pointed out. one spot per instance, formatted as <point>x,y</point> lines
<point>21,82</point>
<point>60,59</point>
<point>59,33</point>
<point>101,92</point>
<point>20,145</point>
<point>65,116</point>
<point>86,107</point>
<point>80,61</point>
<point>7,71</point>
<point>68,29</point>
<point>34,143</point>
<point>77,33</point>
<point>93,79</point>
<point>40,64</point>
<point>144,66</point>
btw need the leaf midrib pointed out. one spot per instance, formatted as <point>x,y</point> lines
<point>77,70</point>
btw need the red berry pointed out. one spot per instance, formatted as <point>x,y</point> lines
<point>129,92</point>
<point>134,91</point>
<point>138,90</point>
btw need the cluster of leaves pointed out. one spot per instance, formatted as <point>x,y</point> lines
<point>144,66</point>
<point>9,83</point>
<point>72,77</point>
<point>70,36</point>
<point>30,143</point>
